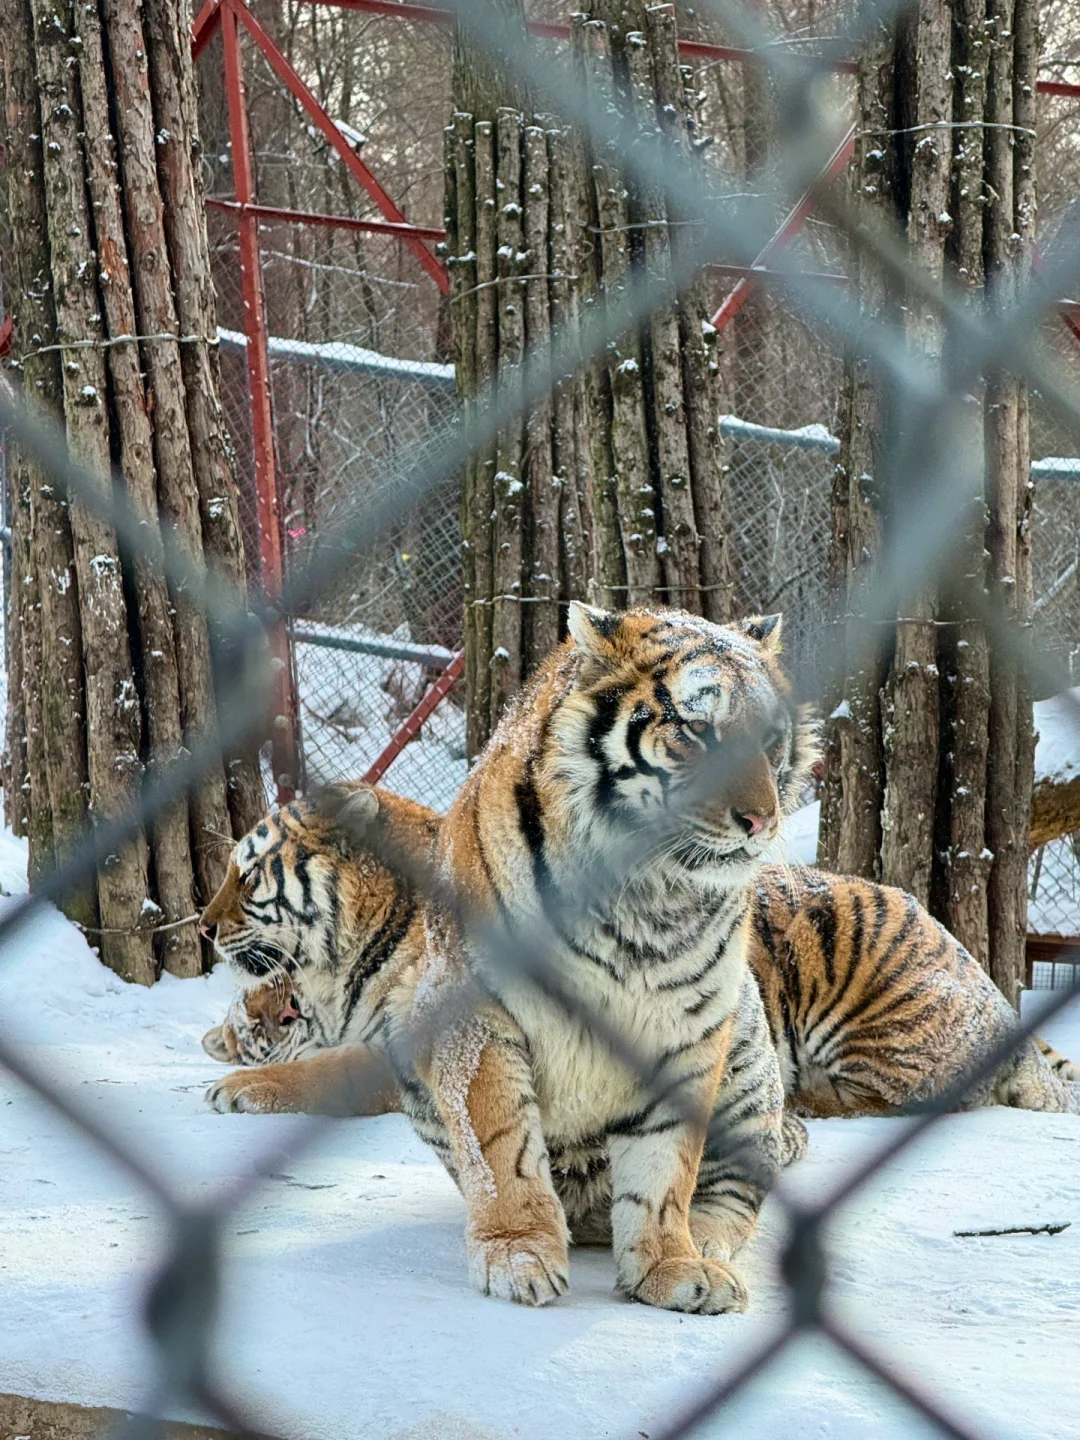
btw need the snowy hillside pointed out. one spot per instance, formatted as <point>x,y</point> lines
<point>346,1310</point>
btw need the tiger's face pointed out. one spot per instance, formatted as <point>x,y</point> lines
<point>677,719</point>
<point>265,1026</point>
<point>305,887</point>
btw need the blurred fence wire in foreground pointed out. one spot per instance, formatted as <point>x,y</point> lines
<point>321,406</point>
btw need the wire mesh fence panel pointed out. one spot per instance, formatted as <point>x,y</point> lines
<point>369,451</point>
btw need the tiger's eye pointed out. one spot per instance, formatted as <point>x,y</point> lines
<point>699,726</point>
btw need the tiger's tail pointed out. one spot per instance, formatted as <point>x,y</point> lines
<point>1038,1078</point>
<point>1062,1066</point>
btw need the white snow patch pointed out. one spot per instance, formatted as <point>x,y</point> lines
<point>332,1293</point>
<point>337,355</point>
<point>1057,724</point>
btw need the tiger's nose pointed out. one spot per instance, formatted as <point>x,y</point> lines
<point>208,932</point>
<point>750,823</point>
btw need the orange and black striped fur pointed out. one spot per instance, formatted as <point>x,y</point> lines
<point>864,993</point>
<point>321,931</point>
<point>873,1006</point>
<point>655,733</point>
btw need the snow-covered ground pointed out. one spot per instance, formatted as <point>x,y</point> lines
<point>346,1311</point>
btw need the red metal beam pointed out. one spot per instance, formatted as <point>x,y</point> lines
<point>204,26</point>
<point>283,736</point>
<point>411,727</point>
<point>760,274</point>
<point>790,226</point>
<point>288,76</point>
<point>338,222</point>
<point>5,336</point>
<point>1057,87</point>
<point>692,49</point>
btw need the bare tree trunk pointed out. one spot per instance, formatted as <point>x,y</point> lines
<point>949,763</point>
<point>910,702</point>
<point>178,153</point>
<point>123,675</point>
<point>113,721</point>
<point>850,832</point>
<point>613,488</point>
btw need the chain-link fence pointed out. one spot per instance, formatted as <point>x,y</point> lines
<point>373,455</point>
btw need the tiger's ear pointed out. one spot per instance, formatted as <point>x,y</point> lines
<point>595,631</point>
<point>765,629</point>
<point>351,810</point>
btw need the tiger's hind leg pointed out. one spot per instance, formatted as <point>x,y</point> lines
<point>750,1138</point>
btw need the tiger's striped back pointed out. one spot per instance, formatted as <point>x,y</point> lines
<point>873,1006</point>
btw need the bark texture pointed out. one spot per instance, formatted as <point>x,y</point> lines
<point>612,488</point>
<point>113,283</point>
<point>930,749</point>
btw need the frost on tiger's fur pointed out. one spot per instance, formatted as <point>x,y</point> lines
<point>873,1006</point>
<point>681,733</point>
<point>320,930</point>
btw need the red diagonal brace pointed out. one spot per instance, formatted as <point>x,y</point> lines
<point>792,223</point>
<point>410,728</point>
<point>204,26</point>
<point>288,76</point>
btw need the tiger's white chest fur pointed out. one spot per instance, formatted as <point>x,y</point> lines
<point>661,972</point>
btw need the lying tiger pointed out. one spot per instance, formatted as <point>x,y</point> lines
<point>845,1043</point>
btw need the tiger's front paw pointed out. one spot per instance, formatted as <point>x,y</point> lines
<point>698,1287</point>
<point>530,1269</point>
<point>247,1092</point>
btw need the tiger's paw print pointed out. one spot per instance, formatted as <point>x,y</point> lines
<point>246,1092</point>
<point>697,1287</point>
<point>530,1269</point>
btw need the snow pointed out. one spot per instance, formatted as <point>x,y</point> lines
<point>346,1311</point>
<point>1057,725</point>
<point>337,355</point>
<point>816,436</point>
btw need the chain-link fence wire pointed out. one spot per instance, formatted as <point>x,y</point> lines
<point>350,299</point>
<point>357,389</point>
<point>182,1301</point>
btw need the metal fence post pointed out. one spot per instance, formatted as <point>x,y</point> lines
<point>285,745</point>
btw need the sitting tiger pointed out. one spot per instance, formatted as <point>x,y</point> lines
<point>656,728</point>
<point>867,1018</point>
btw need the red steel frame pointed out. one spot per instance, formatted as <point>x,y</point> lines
<point>410,728</point>
<point>284,737</point>
<point>229,16</point>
